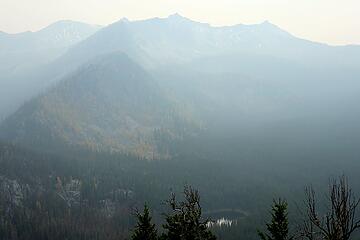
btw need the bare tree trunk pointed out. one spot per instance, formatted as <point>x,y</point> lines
<point>339,220</point>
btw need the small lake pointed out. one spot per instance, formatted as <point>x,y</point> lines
<point>225,217</point>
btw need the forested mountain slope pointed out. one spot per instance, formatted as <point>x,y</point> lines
<point>110,103</point>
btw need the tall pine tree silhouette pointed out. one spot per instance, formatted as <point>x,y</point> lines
<point>185,220</point>
<point>144,229</point>
<point>278,228</point>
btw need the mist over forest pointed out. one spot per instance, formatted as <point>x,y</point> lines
<point>96,121</point>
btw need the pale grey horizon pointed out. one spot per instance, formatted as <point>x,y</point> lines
<point>327,21</point>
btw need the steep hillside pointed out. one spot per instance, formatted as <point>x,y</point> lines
<point>110,103</point>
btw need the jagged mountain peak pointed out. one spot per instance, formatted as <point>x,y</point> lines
<point>177,17</point>
<point>271,26</point>
<point>124,20</point>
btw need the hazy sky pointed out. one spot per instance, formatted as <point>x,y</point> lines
<point>330,21</point>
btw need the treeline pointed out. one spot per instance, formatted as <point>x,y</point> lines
<point>90,195</point>
<point>184,222</point>
<point>338,221</point>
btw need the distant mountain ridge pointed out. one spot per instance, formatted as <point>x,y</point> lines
<point>244,74</point>
<point>57,34</point>
<point>154,43</point>
<point>24,53</point>
<point>41,46</point>
<point>176,40</point>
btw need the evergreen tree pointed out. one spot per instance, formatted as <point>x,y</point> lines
<point>278,228</point>
<point>145,229</point>
<point>184,222</point>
